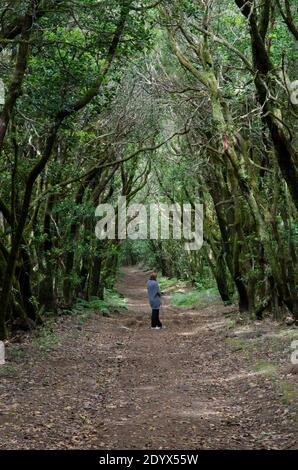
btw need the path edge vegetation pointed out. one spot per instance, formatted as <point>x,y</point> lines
<point>159,102</point>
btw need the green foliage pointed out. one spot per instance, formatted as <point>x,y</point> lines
<point>111,303</point>
<point>289,392</point>
<point>195,298</point>
<point>125,98</point>
<point>16,354</point>
<point>231,324</point>
<point>166,283</point>
<point>265,367</point>
<point>8,371</point>
<point>46,339</point>
<point>204,280</point>
<point>236,344</point>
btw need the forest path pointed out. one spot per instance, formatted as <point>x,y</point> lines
<point>115,383</point>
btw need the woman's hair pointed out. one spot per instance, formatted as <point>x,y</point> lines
<point>153,276</point>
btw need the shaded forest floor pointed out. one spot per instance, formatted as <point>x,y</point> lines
<point>208,381</point>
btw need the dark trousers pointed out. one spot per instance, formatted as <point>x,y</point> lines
<point>155,321</point>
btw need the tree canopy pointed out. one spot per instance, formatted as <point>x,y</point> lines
<point>159,101</point>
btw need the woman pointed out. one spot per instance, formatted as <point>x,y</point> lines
<point>154,296</point>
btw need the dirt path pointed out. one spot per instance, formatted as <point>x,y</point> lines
<point>115,383</point>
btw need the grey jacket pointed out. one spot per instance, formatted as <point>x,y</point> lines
<point>153,293</point>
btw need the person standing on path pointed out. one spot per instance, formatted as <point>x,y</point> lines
<point>154,296</point>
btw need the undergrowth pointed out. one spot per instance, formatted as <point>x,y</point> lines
<point>111,303</point>
<point>195,298</point>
